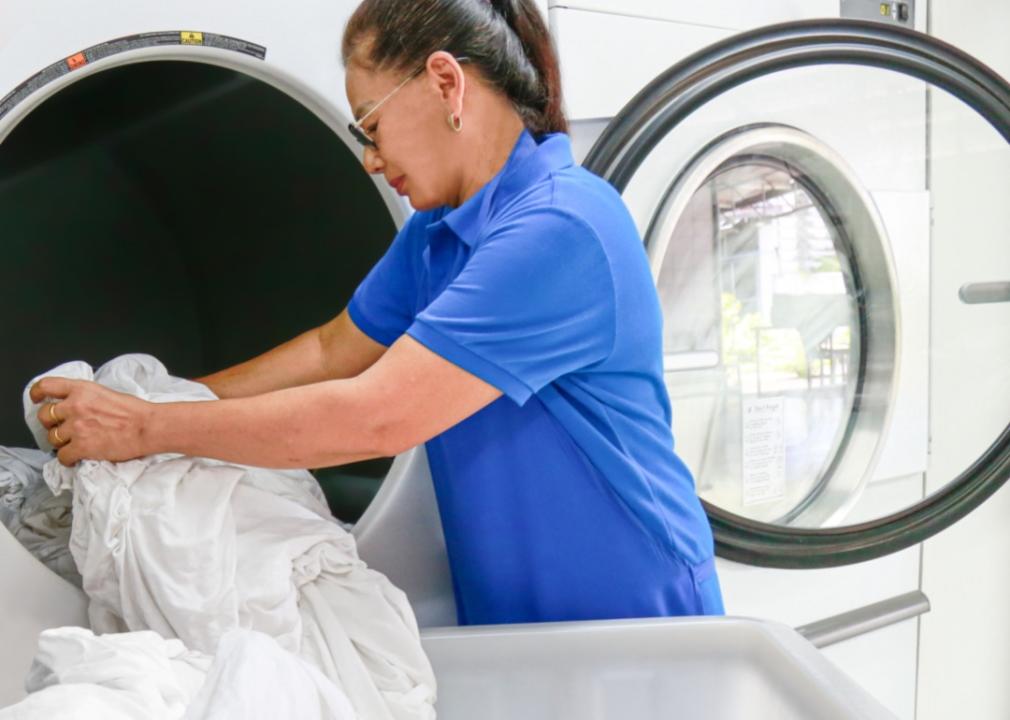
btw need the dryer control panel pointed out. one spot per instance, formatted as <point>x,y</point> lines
<point>895,13</point>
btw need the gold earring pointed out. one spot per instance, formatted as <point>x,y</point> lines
<point>455,122</point>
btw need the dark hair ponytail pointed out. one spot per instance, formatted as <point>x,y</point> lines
<point>506,39</point>
<point>528,24</point>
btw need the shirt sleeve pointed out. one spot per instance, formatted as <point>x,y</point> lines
<point>384,304</point>
<point>535,301</point>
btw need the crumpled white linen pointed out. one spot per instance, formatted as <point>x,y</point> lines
<point>276,683</point>
<point>20,471</point>
<point>77,675</point>
<point>31,512</point>
<point>194,548</point>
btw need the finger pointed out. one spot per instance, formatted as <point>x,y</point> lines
<point>49,416</point>
<point>59,436</point>
<point>53,387</point>
<point>67,456</point>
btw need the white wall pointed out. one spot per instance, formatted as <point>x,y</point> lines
<point>965,639</point>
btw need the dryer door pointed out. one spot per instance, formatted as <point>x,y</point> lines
<point>824,210</point>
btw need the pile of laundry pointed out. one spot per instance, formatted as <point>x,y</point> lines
<point>31,512</point>
<point>216,590</point>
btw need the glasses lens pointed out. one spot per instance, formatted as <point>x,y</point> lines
<point>360,136</point>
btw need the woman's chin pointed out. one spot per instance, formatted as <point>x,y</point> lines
<point>419,203</point>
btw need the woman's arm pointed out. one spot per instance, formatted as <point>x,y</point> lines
<point>337,349</point>
<point>408,396</point>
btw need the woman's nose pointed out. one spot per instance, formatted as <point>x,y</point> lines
<point>372,161</point>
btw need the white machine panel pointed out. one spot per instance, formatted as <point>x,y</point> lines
<point>729,14</point>
<point>850,109</point>
<point>602,67</point>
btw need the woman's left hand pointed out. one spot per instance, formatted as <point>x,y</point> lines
<point>89,421</point>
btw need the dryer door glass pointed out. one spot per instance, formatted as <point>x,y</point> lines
<point>761,336</point>
<point>826,228</point>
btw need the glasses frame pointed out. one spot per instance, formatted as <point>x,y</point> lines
<point>355,127</point>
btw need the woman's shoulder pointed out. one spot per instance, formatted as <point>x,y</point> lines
<point>578,187</point>
<point>589,201</point>
<point>570,191</point>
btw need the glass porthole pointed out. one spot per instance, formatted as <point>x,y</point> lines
<point>761,336</point>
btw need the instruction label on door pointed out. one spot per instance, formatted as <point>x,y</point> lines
<point>764,449</point>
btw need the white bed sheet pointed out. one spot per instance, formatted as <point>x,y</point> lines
<point>199,550</point>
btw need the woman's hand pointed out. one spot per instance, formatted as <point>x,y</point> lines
<point>89,421</point>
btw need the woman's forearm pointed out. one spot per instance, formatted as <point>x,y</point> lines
<point>407,397</point>
<point>316,425</point>
<point>297,362</point>
<point>329,352</point>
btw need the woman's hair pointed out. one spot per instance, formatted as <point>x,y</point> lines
<point>506,39</point>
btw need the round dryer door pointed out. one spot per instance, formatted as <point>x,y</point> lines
<point>181,194</point>
<point>823,205</point>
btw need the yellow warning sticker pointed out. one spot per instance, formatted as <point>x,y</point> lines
<point>191,38</point>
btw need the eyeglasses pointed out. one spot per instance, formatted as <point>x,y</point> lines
<point>355,127</point>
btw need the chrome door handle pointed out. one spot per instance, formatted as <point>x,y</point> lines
<point>984,292</point>
<point>865,619</point>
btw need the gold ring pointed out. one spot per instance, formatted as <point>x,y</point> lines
<point>56,434</point>
<point>52,413</point>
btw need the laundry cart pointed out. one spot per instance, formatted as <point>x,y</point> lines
<point>696,668</point>
<point>647,669</point>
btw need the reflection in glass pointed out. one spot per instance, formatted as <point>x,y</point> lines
<point>761,337</point>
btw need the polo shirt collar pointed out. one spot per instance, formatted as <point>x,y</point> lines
<point>529,162</point>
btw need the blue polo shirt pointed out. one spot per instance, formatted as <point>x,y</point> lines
<point>563,499</point>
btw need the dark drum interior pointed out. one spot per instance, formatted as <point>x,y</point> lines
<point>182,210</point>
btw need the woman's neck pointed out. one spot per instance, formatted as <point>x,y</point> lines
<point>488,152</point>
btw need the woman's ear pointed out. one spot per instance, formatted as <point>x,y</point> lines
<point>447,79</point>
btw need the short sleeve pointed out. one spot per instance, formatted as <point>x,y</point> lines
<point>384,304</point>
<point>534,302</point>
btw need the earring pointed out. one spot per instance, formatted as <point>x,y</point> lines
<point>455,122</point>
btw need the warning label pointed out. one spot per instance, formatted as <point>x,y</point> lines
<point>764,450</point>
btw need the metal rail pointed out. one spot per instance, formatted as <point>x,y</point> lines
<point>832,630</point>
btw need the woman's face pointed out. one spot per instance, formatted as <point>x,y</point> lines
<point>414,151</point>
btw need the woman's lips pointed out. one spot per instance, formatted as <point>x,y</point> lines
<point>398,184</point>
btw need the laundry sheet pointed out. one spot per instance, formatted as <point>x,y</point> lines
<point>31,512</point>
<point>78,675</point>
<point>241,574</point>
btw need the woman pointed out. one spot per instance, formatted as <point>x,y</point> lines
<point>512,325</point>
